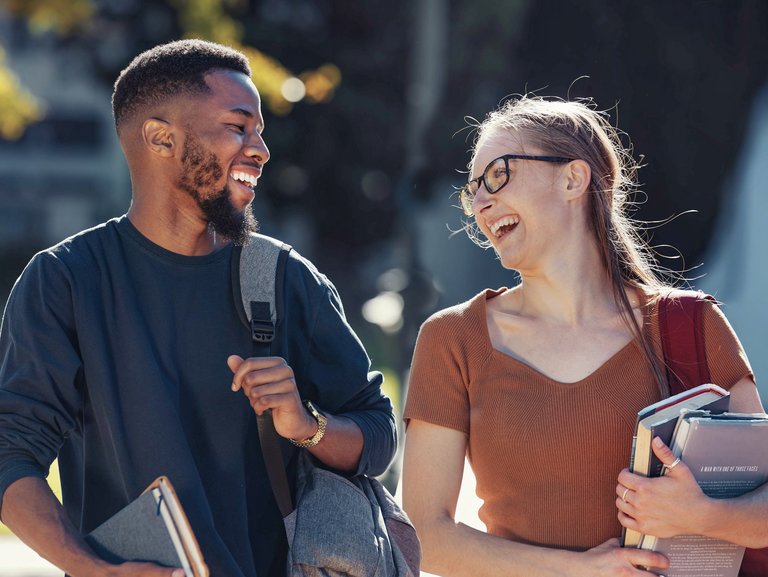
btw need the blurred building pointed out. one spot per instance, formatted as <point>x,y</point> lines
<point>66,172</point>
<point>736,268</point>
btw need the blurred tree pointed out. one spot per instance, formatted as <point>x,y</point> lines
<point>18,107</point>
<point>683,75</point>
<point>63,17</point>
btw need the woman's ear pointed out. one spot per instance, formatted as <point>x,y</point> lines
<point>159,136</point>
<point>577,176</point>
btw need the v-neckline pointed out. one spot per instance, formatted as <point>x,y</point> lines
<point>491,293</point>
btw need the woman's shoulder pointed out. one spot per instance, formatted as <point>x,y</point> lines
<point>469,312</point>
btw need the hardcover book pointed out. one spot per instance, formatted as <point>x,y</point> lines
<point>659,420</point>
<point>152,528</point>
<point>728,455</point>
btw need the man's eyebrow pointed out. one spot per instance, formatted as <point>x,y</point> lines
<point>248,114</point>
<point>242,112</point>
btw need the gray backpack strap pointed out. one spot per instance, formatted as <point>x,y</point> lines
<point>260,279</point>
<point>260,275</point>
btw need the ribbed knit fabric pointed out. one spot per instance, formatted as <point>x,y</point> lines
<point>546,455</point>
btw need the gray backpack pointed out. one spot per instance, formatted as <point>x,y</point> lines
<point>340,526</point>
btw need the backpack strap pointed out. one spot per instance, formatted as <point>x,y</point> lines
<point>682,338</point>
<point>258,281</point>
<point>260,275</point>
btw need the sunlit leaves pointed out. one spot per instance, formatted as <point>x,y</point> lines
<point>209,20</point>
<point>213,20</point>
<point>18,107</point>
<point>63,17</point>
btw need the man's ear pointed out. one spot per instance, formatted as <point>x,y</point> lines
<point>577,177</point>
<point>159,136</point>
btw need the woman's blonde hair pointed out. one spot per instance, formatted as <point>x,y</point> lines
<point>576,129</point>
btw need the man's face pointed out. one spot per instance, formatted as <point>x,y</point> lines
<point>223,153</point>
<point>201,177</point>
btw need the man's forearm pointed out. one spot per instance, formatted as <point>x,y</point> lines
<point>34,514</point>
<point>341,445</point>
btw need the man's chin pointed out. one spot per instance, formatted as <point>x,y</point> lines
<point>230,223</point>
<point>248,225</point>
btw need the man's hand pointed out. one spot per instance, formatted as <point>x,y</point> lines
<point>269,384</point>
<point>34,514</point>
<point>143,570</point>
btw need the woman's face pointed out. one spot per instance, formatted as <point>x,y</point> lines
<point>523,219</point>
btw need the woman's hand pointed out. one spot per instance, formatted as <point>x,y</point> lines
<point>662,506</point>
<point>611,560</point>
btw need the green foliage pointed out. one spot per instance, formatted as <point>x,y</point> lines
<point>18,107</point>
<point>64,17</point>
<point>207,19</point>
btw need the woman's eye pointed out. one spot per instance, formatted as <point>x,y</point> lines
<point>497,175</point>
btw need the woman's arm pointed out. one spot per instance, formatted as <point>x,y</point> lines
<point>432,472</point>
<point>675,505</point>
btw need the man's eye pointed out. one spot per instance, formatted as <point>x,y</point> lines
<point>238,127</point>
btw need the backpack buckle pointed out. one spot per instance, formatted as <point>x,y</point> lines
<point>262,331</point>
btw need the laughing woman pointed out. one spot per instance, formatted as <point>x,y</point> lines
<point>539,385</point>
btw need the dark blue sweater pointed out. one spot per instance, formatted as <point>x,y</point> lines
<point>113,358</point>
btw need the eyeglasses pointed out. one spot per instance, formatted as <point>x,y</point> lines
<point>496,176</point>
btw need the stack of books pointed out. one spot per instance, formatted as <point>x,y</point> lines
<point>726,452</point>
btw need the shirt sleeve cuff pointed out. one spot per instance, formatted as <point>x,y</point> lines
<point>16,472</point>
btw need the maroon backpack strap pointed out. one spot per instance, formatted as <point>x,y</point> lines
<point>682,338</point>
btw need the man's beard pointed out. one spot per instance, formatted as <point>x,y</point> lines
<point>226,220</point>
<point>201,169</point>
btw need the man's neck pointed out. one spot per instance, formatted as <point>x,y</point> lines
<point>178,232</point>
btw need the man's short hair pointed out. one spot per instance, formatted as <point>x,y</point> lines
<point>168,70</point>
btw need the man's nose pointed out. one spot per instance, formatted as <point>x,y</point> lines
<point>256,148</point>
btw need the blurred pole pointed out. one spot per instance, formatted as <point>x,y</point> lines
<point>426,72</point>
<point>426,75</point>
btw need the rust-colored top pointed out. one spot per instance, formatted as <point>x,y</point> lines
<point>546,454</point>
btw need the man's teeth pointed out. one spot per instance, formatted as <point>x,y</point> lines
<point>248,179</point>
<point>506,221</point>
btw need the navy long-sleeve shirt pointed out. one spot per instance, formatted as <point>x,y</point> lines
<point>113,358</point>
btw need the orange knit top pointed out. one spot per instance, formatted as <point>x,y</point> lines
<point>545,454</point>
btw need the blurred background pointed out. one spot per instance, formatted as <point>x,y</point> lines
<point>365,105</point>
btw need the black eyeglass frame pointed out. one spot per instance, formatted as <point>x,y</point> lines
<point>466,194</point>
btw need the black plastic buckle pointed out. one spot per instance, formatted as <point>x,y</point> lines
<point>262,331</point>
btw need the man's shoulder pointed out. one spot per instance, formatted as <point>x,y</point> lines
<point>78,249</point>
<point>96,235</point>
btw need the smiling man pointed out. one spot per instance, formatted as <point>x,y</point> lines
<point>123,354</point>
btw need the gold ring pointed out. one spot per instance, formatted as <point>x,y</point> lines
<point>673,464</point>
<point>624,495</point>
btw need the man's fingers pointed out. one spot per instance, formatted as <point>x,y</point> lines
<point>281,375</point>
<point>243,368</point>
<point>261,402</point>
<point>234,362</point>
